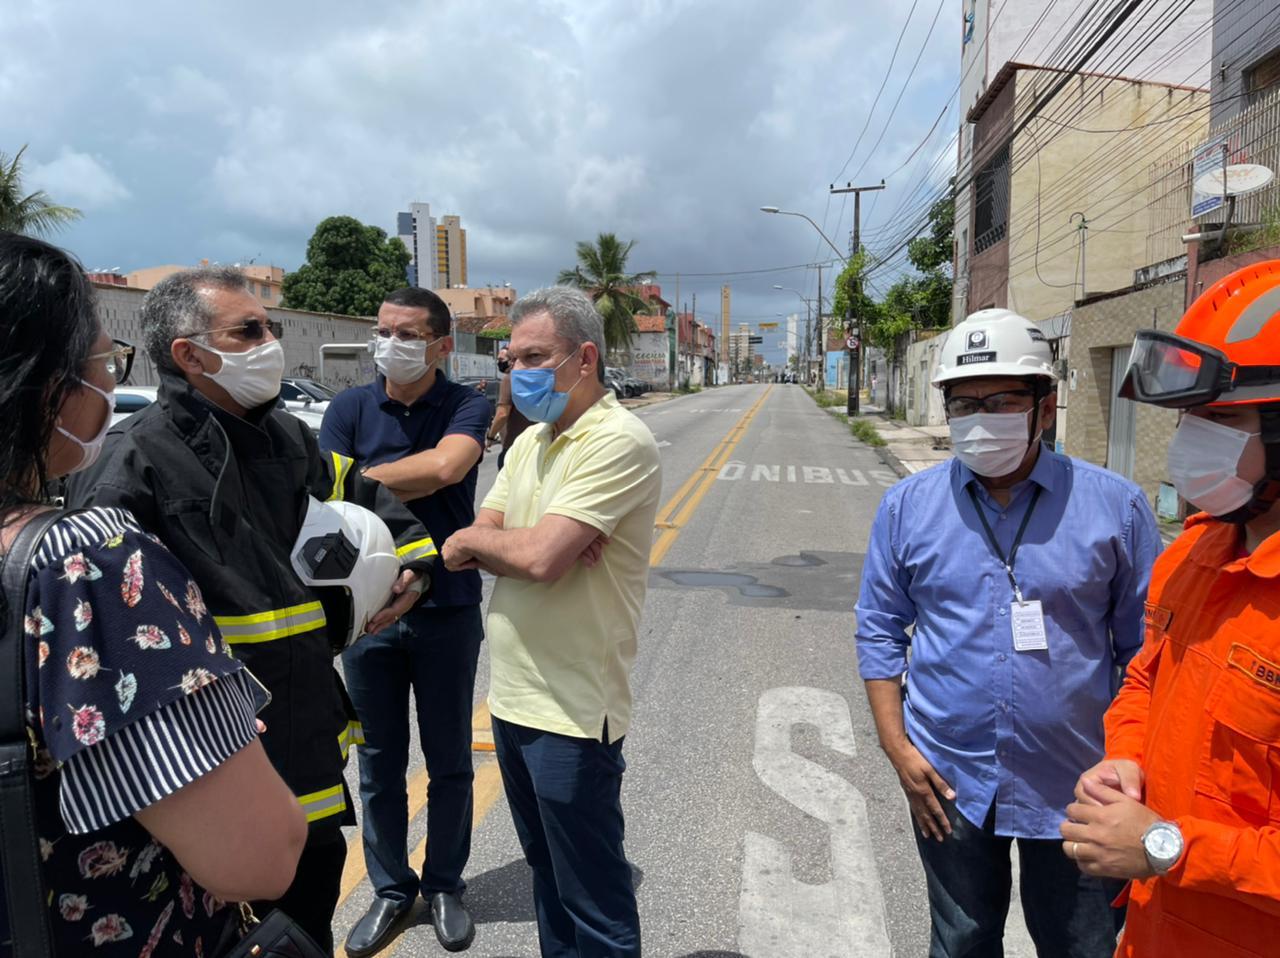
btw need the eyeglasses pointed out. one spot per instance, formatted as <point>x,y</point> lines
<point>119,360</point>
<point>251,329</point>
<point>404,335</point>
<point>1014,400</point>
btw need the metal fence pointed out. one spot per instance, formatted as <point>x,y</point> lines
<point>1252,136</point>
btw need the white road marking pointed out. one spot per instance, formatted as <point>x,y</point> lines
<point>779,916</point>
<point>662,443</point>
<point>736,469</point>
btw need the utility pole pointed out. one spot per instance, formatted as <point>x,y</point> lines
<point>1083,230</point>
<point>855,338</point>
<point>821,344</point>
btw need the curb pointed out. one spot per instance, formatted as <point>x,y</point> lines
<point>886,457</point>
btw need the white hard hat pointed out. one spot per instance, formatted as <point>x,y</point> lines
<point>994,342</point>
<point>348,553</point>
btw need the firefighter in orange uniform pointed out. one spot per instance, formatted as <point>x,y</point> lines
<point>1187,801</point>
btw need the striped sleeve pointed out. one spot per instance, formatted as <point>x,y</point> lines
<point>150,759</point>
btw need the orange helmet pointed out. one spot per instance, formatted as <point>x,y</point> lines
<point>1225,351</point>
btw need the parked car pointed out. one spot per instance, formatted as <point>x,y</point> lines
<point>638,386</point>
<point>612,380</point>
<point>300,394</point>
<point>131,399</point>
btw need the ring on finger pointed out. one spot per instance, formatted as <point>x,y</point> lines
<point>1075,855</point>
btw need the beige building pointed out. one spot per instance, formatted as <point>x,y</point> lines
<point>1027,248</point>
<point>482,307</point>
<point>265,282</point>
<point>451,253</point>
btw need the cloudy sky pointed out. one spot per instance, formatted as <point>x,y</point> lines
<point>227,131</point>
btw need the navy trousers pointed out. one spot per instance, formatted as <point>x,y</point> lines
<point>1068,913</point>
<point>566,799</point>
<point>433,652</point>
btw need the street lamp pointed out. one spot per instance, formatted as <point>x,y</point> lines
<point>808,324</point>
<point>773,209</point>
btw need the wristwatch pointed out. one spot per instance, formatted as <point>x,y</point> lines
<point>1162,841</point>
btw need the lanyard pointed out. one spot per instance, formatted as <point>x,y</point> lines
<point>1017,540</point>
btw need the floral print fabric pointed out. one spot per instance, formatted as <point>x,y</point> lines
<point>131,695</point>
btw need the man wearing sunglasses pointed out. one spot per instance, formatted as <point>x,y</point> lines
<point>1016,578</point>
<point>224,478</point>
<point>1187,801</point>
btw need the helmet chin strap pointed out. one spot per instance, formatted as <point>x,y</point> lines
<point>1267,490</point>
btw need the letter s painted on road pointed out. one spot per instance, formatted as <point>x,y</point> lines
<point>778,915</point>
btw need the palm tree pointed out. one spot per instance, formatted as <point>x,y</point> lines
<point>34,213</point>
<point>602,273</point>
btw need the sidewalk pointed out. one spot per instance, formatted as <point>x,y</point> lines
<point>909,448</point>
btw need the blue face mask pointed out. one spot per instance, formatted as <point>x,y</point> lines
<point>534,392</point>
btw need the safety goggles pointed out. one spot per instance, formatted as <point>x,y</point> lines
<point>1168,370</point>
<point>119,360</point>
<point>253,330</point>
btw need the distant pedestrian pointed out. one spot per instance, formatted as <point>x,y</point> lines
<point>508,422</point>
<point>1016,578</point>
<point>422,436</point>
<point>568,529</point>
<point>1187,801</point>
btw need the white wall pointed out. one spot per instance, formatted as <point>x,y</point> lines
<point>304,333</point>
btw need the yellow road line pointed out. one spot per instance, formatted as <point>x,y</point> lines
<point>680,507</point>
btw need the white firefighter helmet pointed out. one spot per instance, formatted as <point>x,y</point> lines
<point>346,549</point>
<point>994,342</point>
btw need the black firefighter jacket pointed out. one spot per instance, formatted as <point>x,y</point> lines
<point>227,496</point>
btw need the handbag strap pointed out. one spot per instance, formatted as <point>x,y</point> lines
<point>19,843</point>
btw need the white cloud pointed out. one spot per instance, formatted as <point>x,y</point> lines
<point>78,179</point>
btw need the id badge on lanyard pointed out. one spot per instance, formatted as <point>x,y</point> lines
<point>1026,616</point>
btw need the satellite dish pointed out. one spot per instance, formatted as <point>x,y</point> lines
<point>1241,179</point>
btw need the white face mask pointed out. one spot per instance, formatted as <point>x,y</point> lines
<point>400,361</point>
<point>991,444</point>
<point>91,450</point>
<point>1203,459</point>
<point>250,378</point>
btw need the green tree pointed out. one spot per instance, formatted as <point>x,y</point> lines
<point>350,269</point>
<point>602,273</point>
<point>920,301</point>
<point>32,213</point>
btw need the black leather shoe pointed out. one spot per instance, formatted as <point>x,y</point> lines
<point>374,931</point>
<point>452,921</point>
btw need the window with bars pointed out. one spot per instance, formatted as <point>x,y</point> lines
<point>991,202</point>
<point>1261,78</point>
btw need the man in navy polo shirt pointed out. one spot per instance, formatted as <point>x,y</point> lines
<point>422,436</point>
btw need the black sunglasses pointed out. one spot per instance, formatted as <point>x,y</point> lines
<point>119,360</point>
<point>251,329</point>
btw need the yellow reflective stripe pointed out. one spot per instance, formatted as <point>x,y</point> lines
<point>271,625</point>
<point>412,551</point>
<point>353,734</point>
<point>319,805</point>
<point>341,466</point>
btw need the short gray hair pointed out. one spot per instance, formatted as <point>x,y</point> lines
<point>571,311</point>
<point>173,308</point>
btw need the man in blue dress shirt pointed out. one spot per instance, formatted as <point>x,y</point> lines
<point>1016,579</point>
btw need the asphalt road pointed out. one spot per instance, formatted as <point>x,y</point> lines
<point>762,819</point>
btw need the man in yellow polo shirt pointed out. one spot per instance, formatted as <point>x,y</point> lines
<point>567,528</point>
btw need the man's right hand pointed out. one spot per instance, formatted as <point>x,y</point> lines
<point>1120,774</point>
<point>923,785</point>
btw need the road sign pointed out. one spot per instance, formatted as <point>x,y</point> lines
<point>851,343</point>
<point>755,339</point>
<point>768,325</point>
